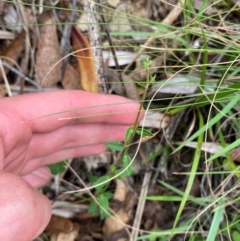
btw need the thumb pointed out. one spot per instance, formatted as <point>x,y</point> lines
<point>24,211</point>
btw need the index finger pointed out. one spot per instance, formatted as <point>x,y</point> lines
<point>51,110</point>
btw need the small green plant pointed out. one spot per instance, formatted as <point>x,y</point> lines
<point>57,168</point>
<point>124,169</point>
<point>102,207</point>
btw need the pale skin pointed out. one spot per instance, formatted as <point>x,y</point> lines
<point>28,144</point>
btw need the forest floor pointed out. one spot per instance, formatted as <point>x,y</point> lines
<point>178,178</point>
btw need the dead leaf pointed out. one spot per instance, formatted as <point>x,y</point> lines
<point>48,54</point>
<point>209,147</point>
<point>235,154</point>
<point>85,61</point>
<point>114,3</point>
<point>116,223</point>
<point>6,34</point>
<point>59,224</point>
<point>71,79</point>
<point>67,236</point>
<point>155,120</point>
<point>113,79</point>
<point>130,88</point>
<point>12,18</point>
<point>13,51</point>
<point>123,57</point>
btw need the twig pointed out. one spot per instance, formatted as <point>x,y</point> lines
<point>6,65</point>
<point>95,41</point>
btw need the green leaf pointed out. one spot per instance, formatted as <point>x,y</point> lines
<point>129,171</point>
<point>213,121</point>
<point>100,180</point>
<point>93,209</point>
<point>113,168</point>
<point>152,80</point>
<point>144,132</point>
<point>236,236</point>
<point>141,84</point>
<point>221,95</point>
<point>225,150</point>
<point>104,203</point>
<point>147,63</point>
<point>126,160</point>
<point>109,195</point>
<point>217,218</point>
<point>192,175</point>
<point>129,133</point>
<point>139,131</point>
<point>57,168</point>
<point>115,145</point>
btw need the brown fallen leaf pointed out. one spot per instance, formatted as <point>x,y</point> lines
<point>115,224</point>
<point>71,79</point>
<point>4,34</point>
<point>67,236</point>
<point>48,54</point>
<point>85,61</point>
<point>113,79</point>
<point>13,51</point>
<point>235,154</point>
<point>59,224</point>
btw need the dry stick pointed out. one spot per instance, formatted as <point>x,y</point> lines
<point>6,65</point>
<point>170,18</point>
<point>95,42</point>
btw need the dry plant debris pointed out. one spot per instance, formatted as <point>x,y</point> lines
<point>13,51</point>
<point>193,47</point>
<point>85,61</point>
<point>71,79</point>
<point>48,64</point>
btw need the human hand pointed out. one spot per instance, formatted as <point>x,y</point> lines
<point>28,144</point>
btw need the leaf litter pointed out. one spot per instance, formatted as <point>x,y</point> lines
<point>134,26</point>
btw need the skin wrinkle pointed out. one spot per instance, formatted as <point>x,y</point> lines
<point>69,137</point>
<point>7,132</point>
<point>61,155</point>
<point>38,177</point>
